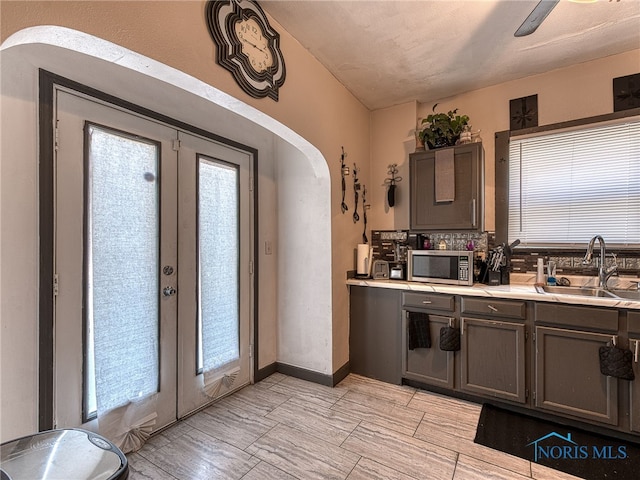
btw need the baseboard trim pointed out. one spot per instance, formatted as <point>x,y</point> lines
<point>341,373</point>
<point>264,372</point>
<point>303,373</point>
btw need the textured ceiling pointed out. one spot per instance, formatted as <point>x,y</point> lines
<point>390,52</point>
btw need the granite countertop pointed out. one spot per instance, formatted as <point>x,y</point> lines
<point>521,288</point>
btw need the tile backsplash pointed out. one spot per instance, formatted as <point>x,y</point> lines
<point>384,242</point>
<point>568,261</point>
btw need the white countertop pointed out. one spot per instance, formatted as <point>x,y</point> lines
<point>520,291</point>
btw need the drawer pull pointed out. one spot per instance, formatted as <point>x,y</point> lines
<point>492,308</point>
<point>427,302</point>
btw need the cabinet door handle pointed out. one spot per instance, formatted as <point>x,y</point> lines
<point>492,308</point>
<point>473,212</point>
<point>637,351</point>
<point>462,326</point>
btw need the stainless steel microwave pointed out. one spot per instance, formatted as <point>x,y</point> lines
<point>452,267</point>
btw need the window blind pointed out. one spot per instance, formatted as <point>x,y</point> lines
<point>568,186</point>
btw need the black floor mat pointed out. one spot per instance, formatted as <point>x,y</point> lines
<point>568,449</point>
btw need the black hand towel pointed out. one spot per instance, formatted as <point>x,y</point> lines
<point>418,327</point>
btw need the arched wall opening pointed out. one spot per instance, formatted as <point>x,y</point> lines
<point>294,309</point>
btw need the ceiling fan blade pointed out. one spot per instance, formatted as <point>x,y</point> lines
<point>535,18</point>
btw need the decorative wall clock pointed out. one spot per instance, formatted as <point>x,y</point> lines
<point>247,46</point>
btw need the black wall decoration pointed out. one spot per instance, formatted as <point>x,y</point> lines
<point>247,46</point>
<point>523,112</point>
<point>391,183</point>
<point>626,92</point>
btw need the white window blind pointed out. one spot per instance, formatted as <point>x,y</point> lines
<point>568,186</point>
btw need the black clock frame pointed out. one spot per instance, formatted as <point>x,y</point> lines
<point>221,18</point>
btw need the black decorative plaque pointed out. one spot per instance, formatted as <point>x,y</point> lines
<point>626,92</point>
<point>523,112</point>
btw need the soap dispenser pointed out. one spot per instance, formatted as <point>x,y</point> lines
<point>551,273</point>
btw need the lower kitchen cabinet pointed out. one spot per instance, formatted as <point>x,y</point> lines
<point>634,389</point>
<point>553,371</point>
<point>492,359</point>
<point>428,365</point>
<point>568,378</point>
<point>374,333</point>
<point>634,386</point>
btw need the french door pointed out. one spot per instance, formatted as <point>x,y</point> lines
<point>153,268</point>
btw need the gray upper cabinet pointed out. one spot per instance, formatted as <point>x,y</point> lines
<point>466,211</point>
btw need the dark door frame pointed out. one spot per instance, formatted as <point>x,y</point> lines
<point>47,83</point>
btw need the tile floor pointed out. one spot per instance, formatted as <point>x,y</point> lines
<point>285,428</point>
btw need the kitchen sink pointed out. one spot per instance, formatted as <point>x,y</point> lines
<point>580,291</point>
<point>627,294</point>
<point>589,292</point>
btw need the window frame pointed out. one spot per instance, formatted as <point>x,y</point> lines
<point>502,140</point>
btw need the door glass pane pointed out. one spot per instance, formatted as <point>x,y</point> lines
<point>218,264</point>
<point>121,269</point>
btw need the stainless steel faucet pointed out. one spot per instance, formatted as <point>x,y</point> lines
<point>603,273</point>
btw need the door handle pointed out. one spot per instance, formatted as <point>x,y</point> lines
<point>473,212</point>
<point>168,291</point>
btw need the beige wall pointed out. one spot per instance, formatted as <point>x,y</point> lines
<point>579,91</point>
<point>312,103</point>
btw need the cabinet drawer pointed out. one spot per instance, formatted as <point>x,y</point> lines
<point>429,301</point>
<point>494,308</point>
<point>634,322</point>
<point>585,318</point>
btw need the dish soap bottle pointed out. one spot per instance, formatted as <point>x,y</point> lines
<point>551,273</point>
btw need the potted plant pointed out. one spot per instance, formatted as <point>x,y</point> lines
<point>443,129</point>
